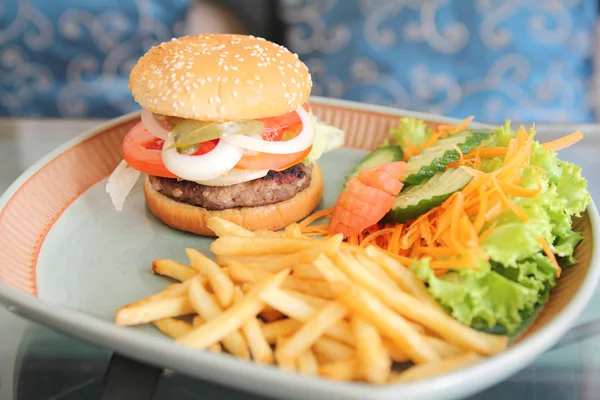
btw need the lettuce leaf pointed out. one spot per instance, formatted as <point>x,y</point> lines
<point>327,138</point>
<point>518,278</point>
<point>572,186</point>
<point>411,129</point>
<point>482,300</point>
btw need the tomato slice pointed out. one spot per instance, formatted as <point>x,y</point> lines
<point>275,127</point>
<point>142,151</point>
<point>275,162</point>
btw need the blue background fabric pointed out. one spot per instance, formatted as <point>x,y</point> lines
<point>72,58</point>
<point>495,59</point>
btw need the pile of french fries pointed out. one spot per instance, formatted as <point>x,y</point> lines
<point>314,306</point>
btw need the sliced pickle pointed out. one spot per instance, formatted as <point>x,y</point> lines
<point>189,132</point>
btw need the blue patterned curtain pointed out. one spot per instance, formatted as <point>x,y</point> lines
<point>72,58</point>
<point>495,59</point>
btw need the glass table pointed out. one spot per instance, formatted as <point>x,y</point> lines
<point>37,363</point>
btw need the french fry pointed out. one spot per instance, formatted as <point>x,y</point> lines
<point>390,324</point>
<point>219,281</point>
<point>172,327</point>
<point>328,269</point>
<point>443,348</point>
<point>241,273</point>
<point>376,270</point>
<point>332,350</point>
<point>173,269</point>
<point>404,278</point>
<point>232,319</point>
<point>306,271</point>
<point>260,349</point>
<point>301,311</point>
<point>293,231</point>
<point>260,245</point>
<point>423,371</point>
<point>396,354</point>
<point>267,262</point>
<point>267,233</point>
<point>286,365</point>
<point>278,262</point>
<point>270,314</point>
<point>144,312</point>
<point>307,364</point>
<point>311,331</point>
<point>343,370</point>
<point>196,322</point>
<point>209,309</point>
<point>222,227</point>
<point>284,327</point>
<point>432,318</point>
<point>314,301</point>
<point>373,359</point>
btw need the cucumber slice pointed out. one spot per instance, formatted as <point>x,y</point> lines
<point>382,155</point>
<point>435,159</point>
<point>417,200</point>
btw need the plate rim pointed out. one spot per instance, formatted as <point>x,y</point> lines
<point>217,367</point>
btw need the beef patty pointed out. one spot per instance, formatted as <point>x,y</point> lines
<point>272,188</point>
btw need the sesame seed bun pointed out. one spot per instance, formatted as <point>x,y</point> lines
<point>193,219</point>
<point>220,78</point>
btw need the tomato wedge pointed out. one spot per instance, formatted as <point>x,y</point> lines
<point>369,196</point>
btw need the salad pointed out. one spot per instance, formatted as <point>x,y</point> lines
<point>483,217</point>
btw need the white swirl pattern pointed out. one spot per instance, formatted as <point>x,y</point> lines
<point>93,82</point>
<point>494,58</point>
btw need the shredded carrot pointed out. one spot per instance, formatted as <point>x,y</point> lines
<point>487,152</point>
<point>564,142</point>
<point>413,148</point>
<point>315,216</point>
<point>550,254</point>
<point>451,235</point>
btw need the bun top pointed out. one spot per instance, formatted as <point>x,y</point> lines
<point>220,78</point>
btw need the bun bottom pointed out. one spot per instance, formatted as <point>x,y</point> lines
<point>194,219</point>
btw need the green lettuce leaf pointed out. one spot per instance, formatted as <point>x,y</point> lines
<point>327,138</point>
<point>572,186</point>
<point>481,300</point>
<point>411,129</point>
<point>501,136</point>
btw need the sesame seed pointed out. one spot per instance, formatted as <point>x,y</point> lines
<point>280,68</point>
<point>224,79</point>
<point>222,109</point>
<point>239,59</point>
<point>226,68</point>
<point>285,96</point>
<point>181,103</point>
<point>236,81</point>
<point>192,96</point>
<point>209,79</point>
<point>218,79</point>
<point>234,68</point>
<point>211,100</point>
<point>218,100</point>
<point>250,82</point>
<point>293,80</point>
<point>195,85</point>
<point>283,84</point>
<point>175,106</point>
<point>235,93</point>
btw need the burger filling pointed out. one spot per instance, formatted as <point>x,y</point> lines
<point>274,187</point>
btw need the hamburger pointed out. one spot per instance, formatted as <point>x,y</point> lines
<point>225,131</point>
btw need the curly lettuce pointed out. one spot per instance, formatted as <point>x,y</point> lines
<point>518,277</point>
<point>410,129</point>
